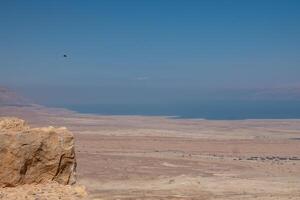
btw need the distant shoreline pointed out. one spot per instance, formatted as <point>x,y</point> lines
<point>68,111</point>
<point>202,111</point>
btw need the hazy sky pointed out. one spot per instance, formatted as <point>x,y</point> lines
<point>127,49</point>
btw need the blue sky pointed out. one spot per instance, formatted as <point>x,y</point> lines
<point>128,49</point>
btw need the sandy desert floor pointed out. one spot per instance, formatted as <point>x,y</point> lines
<point>136,157</point>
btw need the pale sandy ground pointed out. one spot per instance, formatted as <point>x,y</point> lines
<point>135,157</point>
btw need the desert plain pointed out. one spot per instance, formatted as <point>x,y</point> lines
<point>139,157</point>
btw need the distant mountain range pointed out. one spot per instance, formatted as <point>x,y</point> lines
<point>9,97</point>
<point>283,93</point>
<point>287,93</point>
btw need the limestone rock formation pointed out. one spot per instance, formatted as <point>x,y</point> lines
<point>47,191</point>
<point>35,155</point>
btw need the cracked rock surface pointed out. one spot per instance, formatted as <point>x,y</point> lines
<point>45,191</point>
<point>35,155</point>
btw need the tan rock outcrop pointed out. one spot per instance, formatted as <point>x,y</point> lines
<point>35,155</point>
<point>47,191</point>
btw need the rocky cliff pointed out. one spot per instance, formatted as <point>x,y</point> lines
<point>35,155</point>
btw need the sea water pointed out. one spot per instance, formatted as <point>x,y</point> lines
<point>219,110</point>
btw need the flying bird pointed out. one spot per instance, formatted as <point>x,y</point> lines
<point>65,56</point>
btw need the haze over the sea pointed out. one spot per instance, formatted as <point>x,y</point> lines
<point>157,57</point>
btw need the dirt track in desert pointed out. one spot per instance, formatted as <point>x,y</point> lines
<point>135,157</point>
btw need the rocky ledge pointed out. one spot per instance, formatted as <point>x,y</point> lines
<point>35,155</point>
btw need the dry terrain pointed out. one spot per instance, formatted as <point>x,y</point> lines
<point>136,157</point>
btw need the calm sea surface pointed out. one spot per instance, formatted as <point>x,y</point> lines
<point>221,110</point>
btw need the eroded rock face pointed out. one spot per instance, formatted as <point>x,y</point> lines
<point>35,155</point>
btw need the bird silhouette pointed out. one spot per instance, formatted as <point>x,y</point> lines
<point>65,56</point>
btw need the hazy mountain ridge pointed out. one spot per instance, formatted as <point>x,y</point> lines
<point>10,97</point>
<point>288,93</point>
